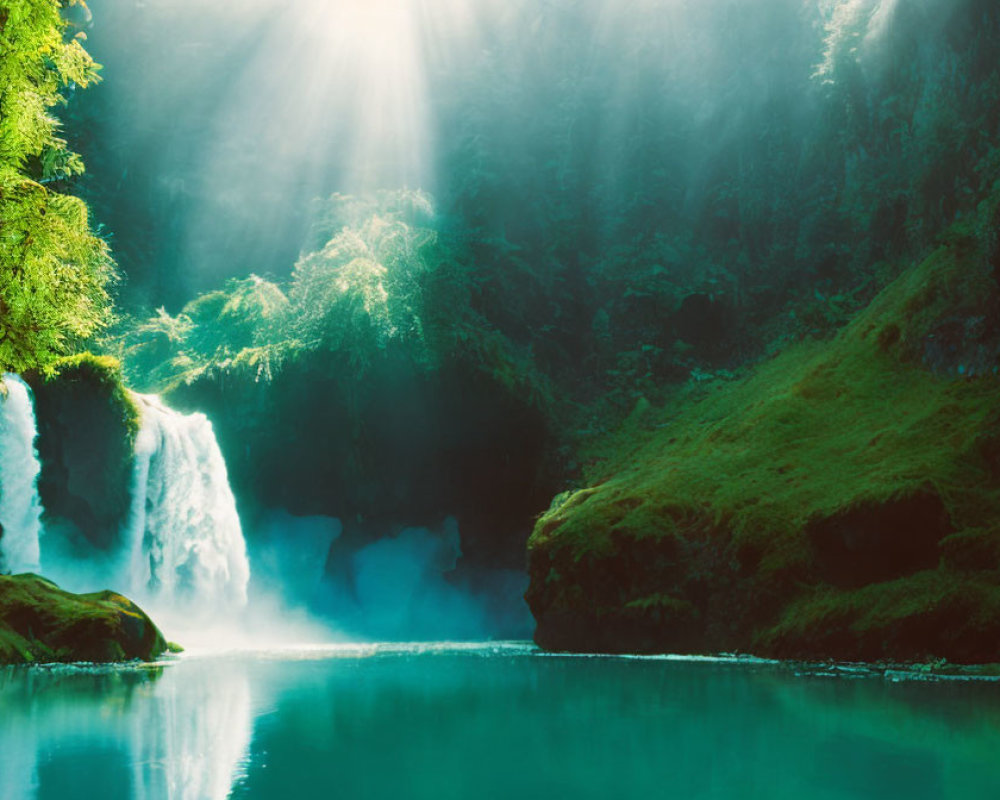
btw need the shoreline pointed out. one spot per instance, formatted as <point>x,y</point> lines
<point>926,672</point>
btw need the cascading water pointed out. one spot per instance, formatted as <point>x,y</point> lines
<point>183,535</point>
<point>20,508</point>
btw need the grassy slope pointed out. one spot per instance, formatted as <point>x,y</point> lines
<point>729,486</point>
<point>39,622</point>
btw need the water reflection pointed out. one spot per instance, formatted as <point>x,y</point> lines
<point>193,734</point>
<point>497,722</point>
<point>139,732</point>
<point>939,740</point>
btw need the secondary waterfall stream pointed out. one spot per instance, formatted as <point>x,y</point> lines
<point>182,541</point>
<point>184,536</point>
<point>20,509</point>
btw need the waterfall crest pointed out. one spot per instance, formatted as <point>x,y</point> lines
<point>184,536</point>
<point>20,508</point>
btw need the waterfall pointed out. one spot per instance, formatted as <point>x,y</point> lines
<point>20,509</point>
<point>183,535</point>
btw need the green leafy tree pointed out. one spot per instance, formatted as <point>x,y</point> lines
<point>361,286</point>
<point>54,271</point>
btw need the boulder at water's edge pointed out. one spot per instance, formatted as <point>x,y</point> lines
<point>40,623</point>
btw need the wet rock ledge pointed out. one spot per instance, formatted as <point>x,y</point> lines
<point>841,502</point>
<point>39,623</point>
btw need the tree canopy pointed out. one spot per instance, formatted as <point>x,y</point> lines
<point>54,270</point>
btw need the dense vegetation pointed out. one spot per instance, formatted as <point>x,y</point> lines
<point>842,500</point>
<point>756,184</point>
<point>54,270</point>
<point>622,208</point>
<point>593,241</point>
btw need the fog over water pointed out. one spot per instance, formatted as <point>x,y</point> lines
<point>181,553</point>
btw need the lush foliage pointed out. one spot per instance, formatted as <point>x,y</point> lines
<point>800,511</point>
<point>377,282</point>
<point>640,197</point>
<point>53,269</point>
<point>364,282</point>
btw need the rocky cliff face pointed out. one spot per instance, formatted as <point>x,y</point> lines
<point>403,445</point>
<point>842,501</point>
<point>86,431</point>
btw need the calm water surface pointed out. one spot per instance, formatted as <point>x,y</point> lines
<point>502,721</point>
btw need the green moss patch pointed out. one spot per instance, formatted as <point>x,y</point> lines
<point>840,466</point>
<point>921,616</point>
<point>39,622</point>
<point>103,373</point>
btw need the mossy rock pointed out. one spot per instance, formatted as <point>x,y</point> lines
<point>917,618</point>
<point>839,502</point>
<point>87,424</point>
<point>40,623</point>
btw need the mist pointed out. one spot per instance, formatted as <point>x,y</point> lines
<point>407,585</point>
<point>217,125</point>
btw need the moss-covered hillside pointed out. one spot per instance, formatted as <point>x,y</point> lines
<point>842,501</point>
<point>39,622</point>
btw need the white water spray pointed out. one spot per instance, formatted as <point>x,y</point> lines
<point>20,508</point>
<point>184,537</point>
